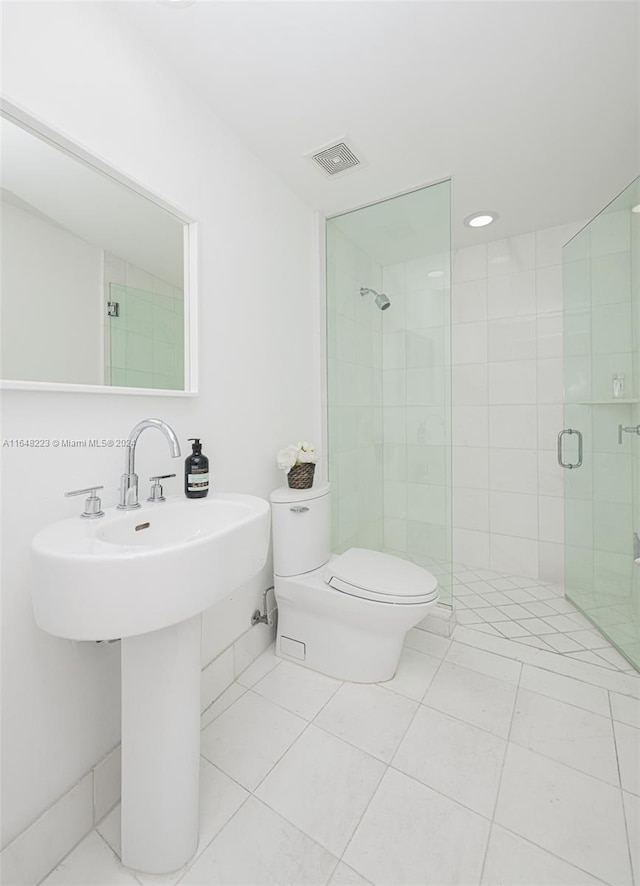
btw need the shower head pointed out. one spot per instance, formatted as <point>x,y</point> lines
<point>381,299</point>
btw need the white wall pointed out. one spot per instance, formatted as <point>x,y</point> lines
<point>51,302</point>
<point>258,364</point>
<point>507,384</point>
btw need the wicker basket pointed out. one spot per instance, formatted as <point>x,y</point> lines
<point>301,476</point>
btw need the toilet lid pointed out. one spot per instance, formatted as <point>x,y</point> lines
<point>382,577</point>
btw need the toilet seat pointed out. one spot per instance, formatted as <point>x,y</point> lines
<point>384,578</point>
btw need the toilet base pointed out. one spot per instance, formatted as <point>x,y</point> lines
<point>342,651</point>
<point>338,634</point>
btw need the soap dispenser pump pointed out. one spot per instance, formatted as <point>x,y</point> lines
<point>196,471</point>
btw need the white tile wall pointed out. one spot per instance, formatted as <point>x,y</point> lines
<point>507,382</point>
<point>416,391</point>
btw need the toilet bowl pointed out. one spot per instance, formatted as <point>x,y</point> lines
<point>347,615</point>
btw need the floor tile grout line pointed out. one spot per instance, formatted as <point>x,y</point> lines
<point>199,853</point>
<point>465,641</point>
<point>276,665</point>
<point>550,852</point>
<point>440,793</point>
<point>624,808</point>
<point>459,719</point>
<point>563,763</point>
<point>569,703</point>
<point>484,674</point>
<point>293,825</point>
<point>338,738</point>
<point>635,875</point>
<point>388,766</point>
<point>202,728</point>
<point>573,615</point>
<point>73,849</point>
<point>237,682</point>
<point>297,738</point>
<point>357,747</point>
<point>226,774</point>
<point>568,766</point>
<point>251,792</point>
<point>420,704</point>
<point>333,870</point>
<point>286,751</point>
<point>114,853</point>
<point>504,760</point>
<point>293,713</point>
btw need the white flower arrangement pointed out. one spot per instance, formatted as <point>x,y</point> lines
<point>300,454</point>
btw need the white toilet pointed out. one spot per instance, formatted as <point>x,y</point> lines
<point>345,616</point>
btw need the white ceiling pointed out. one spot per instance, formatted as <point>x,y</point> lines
<point>531,107</point>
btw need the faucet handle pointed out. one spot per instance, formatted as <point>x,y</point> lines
<point>92,505</point>
<point>156,492</point>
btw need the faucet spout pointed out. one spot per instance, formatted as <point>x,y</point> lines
<point>129,480</point>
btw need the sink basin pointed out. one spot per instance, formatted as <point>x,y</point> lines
<point>133,572</point>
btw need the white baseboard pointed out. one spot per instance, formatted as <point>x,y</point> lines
<point>35,852</point>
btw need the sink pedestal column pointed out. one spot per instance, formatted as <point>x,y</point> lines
<point>161,747</point>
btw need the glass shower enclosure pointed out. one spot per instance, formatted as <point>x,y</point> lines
<point>389,378</point>
<point>599,446</point>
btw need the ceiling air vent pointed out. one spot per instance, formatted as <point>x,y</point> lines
<point>336,158</point>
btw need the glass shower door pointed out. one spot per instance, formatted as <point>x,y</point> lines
<point>389,379</point>
<point>599,446</point>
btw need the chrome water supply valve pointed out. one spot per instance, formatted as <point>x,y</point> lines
<point>632,430</point>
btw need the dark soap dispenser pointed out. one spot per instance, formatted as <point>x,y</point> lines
<point>196,472</point>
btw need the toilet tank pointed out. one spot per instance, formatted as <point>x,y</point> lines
<point>301,521</point>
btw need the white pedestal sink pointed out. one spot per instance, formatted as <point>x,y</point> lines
<point>145,576</point>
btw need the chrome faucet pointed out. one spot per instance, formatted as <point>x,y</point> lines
<point>129,480</point>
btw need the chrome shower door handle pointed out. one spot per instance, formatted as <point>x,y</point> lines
<point>562,463</point>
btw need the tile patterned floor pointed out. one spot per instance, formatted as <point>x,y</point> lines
<point>532,612</point>
<point>484,761</point>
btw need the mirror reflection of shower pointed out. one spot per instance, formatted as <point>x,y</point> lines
<point>381,299</point>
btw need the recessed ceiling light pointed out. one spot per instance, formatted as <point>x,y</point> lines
<point>435,274</point>
<point>636,208</point>
<point>480,219</point>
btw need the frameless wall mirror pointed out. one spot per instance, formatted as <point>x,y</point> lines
<point>97,285</point>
